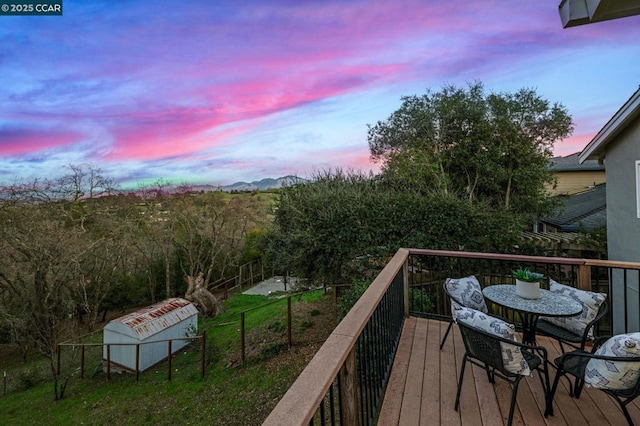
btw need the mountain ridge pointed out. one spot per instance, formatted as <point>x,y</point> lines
<point>256,185</point>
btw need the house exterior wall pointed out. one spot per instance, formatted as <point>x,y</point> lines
<point>623,224</point>
<point>572,182</point>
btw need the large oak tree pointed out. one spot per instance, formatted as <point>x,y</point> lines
<point>489,147</point>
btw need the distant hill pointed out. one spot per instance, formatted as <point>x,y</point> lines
<point>256,185</point>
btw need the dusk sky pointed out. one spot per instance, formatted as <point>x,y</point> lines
<point>224,91</point>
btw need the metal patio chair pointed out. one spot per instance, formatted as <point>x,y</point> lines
<point>484,349</point>
<point>569,338</point>
<point>575,364</point>
<point>459,302</point>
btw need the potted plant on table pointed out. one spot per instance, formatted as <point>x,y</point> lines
<point>527,283</point>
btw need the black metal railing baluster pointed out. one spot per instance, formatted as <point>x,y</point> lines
<point>332,405</point>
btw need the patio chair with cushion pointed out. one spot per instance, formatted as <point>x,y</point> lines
<point>491,344</point>
<point>574,331</point>
<point>613,366</point>
<point>463,292</point>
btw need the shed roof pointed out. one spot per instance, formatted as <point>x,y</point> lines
<point>155,318</point>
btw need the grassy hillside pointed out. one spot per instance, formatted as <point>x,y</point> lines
<point>230,394</point>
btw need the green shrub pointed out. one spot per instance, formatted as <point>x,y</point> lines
<point>29,377</point>
<point>342,226</point>
<point>277,327</point>
<point>272,349</point>
<point>351,296</point>
<point>420,300</point>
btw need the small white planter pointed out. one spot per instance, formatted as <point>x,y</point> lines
<point>528,290</point>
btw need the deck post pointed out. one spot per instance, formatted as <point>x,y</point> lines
<point>584,277</point>
<point>349,390</point>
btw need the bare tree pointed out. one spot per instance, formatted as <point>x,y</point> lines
<point>56,241</point>
<point>209,231</point>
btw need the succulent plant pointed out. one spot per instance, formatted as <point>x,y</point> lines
<point>527,275</point>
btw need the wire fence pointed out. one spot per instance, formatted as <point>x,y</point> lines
<point>251,335</point>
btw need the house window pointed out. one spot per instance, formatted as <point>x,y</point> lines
<point>638,189</point>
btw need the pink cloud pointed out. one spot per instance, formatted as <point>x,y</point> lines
<point>190,82</point>
<point>19,141</point>
<point>573,144</point>
<point>149,136</point>
<point>143,133</point>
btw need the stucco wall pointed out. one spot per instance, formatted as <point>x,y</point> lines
<point>623,225</point>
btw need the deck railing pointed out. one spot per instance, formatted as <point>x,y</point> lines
<point>618,280</point>
<point>345,382</point>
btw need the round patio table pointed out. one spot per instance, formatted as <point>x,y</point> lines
<point>549,305</point>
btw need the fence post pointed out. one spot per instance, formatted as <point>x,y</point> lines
<point>242,336</point>
<point>108,362</point>
<point>58,361</point>
<point>348,389</point>
<point>203,344</point>
<point>82,361</point>
<point>169,359</point>
<point>137,362</point>
<point>290,340</point>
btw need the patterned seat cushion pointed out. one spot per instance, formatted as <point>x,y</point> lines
<point>590,302</point>
<point>512,358</point>
<point>468,292</point>
<point>615,375</point>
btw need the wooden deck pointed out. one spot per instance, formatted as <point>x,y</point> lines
<point>422,388</point>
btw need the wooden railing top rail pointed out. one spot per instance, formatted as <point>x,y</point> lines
<point>302,399</point>
<point>498,256</point>
<point>612,264</point>
<point>525,258</point>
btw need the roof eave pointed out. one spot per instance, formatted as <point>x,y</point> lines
<point>620,120</point>
<point>581,12</point>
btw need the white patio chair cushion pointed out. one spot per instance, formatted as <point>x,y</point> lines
<point>590,302</point>
<point>512,358</point>
<point>467,290</point>
<point>617,375</point>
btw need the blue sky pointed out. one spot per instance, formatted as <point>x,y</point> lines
<point>218,92</point>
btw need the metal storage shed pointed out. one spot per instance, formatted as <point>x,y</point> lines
<point>145,333</point>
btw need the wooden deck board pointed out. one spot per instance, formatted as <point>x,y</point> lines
<point>430,405</point>
<point>423,383</point>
